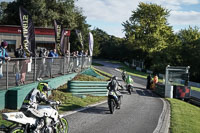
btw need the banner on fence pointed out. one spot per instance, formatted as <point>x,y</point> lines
<point>59,37</point>
<point>27,32</point>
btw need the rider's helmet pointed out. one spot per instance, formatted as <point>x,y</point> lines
<point>114,78</point>
<point>43,87</point>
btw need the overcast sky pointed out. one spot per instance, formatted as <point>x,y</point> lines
<point>108,15</point>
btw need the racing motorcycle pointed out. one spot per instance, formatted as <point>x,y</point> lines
<point>112,101</point>
<point>129,84</point>
<point>51,122</point>
<point>129,88</point>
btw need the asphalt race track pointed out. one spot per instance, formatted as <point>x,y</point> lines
<point>139,112</point>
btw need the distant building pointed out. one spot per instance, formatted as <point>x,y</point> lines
<point>44,37</point>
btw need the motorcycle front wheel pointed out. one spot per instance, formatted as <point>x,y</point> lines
<point>17,129</point>
<point>62,126</point>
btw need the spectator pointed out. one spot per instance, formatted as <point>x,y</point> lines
<point>67,56</point>
<point>75,61</point>
<point>3,56</point>
<point>155,81</point>
<point>16,67</point>
<point>86,53</point>
<point>24,69</point>
<point>51,55</point>
<point>41,63</point>
<point>149,80</point>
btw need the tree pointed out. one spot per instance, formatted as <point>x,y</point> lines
<point>3,6</point>
<point>190,51</point>
<point>148,31</point>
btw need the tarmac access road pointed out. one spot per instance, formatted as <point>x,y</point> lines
<point>139,113</point>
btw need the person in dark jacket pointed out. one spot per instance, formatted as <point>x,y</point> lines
<point>149,81</point>
<point>41,64</point>
<point>52,54</point>
<point>113,85</point>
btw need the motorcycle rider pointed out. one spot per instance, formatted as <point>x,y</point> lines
<point>129,80</point>
<point>34,98</point>
<point>113,86</point>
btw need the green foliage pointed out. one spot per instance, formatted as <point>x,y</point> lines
<point>107,46</point>
<point>189,50</point>
<point>147,28</point>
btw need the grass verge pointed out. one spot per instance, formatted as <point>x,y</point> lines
<point>102,73</point>
<point>185,117</point>
<point>4,122</point>
<point>70,102</point>
<point>195,88</point>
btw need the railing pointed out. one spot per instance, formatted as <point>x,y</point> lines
<point>19,71</point>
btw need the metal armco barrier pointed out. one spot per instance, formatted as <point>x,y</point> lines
<point>95,88</point>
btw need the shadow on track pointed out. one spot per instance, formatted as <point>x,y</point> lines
<point>146,93</point>
<point>97,110</point>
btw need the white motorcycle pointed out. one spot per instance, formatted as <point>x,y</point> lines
<point>51,122</point>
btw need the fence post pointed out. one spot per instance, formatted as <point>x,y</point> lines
<point>34,76</point>
<point>6,74</point>
<point>64,65</point>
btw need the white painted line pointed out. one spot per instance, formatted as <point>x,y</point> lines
<point>117,69</point>
<point>81,109</point>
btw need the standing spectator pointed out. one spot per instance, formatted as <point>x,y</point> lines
<point>149,80</point>
<point>51,55</point>
<point>16,67</point>
<point>19,53</point>
<point>67,56</point>
<point>155,81</point>
<point>41,63</point>
<point>86,53</point>
<point>24,69</point>
<point>75,61</point>
<point>3,56</point>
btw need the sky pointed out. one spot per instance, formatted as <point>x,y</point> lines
<point>109,15</point>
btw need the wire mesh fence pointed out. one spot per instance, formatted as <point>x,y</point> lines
<point>20,71</point>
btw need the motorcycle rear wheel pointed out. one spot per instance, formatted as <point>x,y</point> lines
<point>17,129</point>
<point>59,128</point>
<point>112,106</point>
<point>129,89</point>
